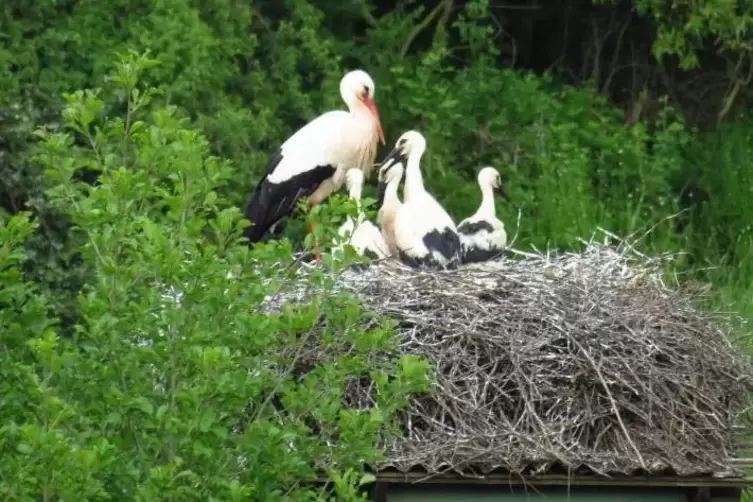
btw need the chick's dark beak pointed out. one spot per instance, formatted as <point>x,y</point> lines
<point>390,156</point>
<point>502,193</point>
<point>381,189</point>
<point>387,162</point>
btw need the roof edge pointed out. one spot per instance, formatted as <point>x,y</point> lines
<point>499,478</point>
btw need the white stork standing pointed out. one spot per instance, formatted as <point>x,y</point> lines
<point>483,235</point>
<point>313,161</point>
<point>362,234</point>
<point>425,234</point>
<point>389,182</point>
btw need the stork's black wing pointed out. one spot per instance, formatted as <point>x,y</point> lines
<point>272,202</point>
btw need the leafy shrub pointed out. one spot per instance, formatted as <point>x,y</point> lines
<point>248,74</point>
<point>171,387</point>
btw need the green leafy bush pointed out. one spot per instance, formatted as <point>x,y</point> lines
<point>176,385</point>
<point>248,74</point>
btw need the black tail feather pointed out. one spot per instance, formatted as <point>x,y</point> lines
<point>427,262</point>
<point>478,255</point>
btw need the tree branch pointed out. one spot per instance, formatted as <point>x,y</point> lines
<point>423,25</point>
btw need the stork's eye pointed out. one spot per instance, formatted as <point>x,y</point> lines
<point>366,90</point>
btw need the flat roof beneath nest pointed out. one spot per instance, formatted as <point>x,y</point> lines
<point>562,480</point>
<point>391,492</point>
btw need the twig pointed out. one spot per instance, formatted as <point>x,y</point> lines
<point>513,345</point>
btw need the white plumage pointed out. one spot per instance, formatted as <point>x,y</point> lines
<point>389,182</point>
<point>483,235</point>
<point>425,234</point>
<point>313,161</point>
<point>362,234</point>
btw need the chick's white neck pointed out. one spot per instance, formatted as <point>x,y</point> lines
<point>486,209</point>
<point>414,181</point>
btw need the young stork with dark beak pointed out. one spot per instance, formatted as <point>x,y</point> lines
<point>389,203</point>
<point>312,163</point>
<point>424,233</point>
<point>483,235</point>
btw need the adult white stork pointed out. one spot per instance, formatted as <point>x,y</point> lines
<point>362,234</point>
<point>425,234</point>
<point>389,202</point>
<point>313,161</point>
<point>483,235</point>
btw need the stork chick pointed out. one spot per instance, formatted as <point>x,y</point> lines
<point>425,234</point>
<point>362,234</point>
<point>483,235</point>
<point>390,203</point>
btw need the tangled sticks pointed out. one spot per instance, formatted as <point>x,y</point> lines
<point>582,361</point>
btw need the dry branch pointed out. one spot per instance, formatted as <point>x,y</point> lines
<point>573,361</point>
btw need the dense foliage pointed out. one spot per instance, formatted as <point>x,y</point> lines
<point>170,387</point>
<point>109,197</point>
<point>248,74</point>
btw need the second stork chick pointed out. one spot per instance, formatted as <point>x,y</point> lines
<point>483,235</point>
<point>425,235</point>
<point>362,234</point>
<point>389,182</point>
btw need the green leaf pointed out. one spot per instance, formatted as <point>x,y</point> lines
<point>207,420</point>
<point>142,404</point>
<point>366,479</point>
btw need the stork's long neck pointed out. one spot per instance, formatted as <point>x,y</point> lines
<point>355,194</point>
<point>390,194</point>
<point>486,209</point>
<point>363,137</point>
<point>356,106</point>
<point>414,181</point>
<point>355,191</point>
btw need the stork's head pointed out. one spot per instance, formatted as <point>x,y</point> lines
<point>489,176</point>
<point>411,143</point>
<point>408,144</point>
<point>358,89</point>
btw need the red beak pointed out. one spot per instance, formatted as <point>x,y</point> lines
<point>371,105</point>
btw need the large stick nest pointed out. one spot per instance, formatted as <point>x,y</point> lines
<point>576,361</point>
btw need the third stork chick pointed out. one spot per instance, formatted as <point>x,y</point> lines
<point>483,235</point>
<point>362,234</point>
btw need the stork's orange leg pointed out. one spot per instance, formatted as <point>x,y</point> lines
<point>310,228</point>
